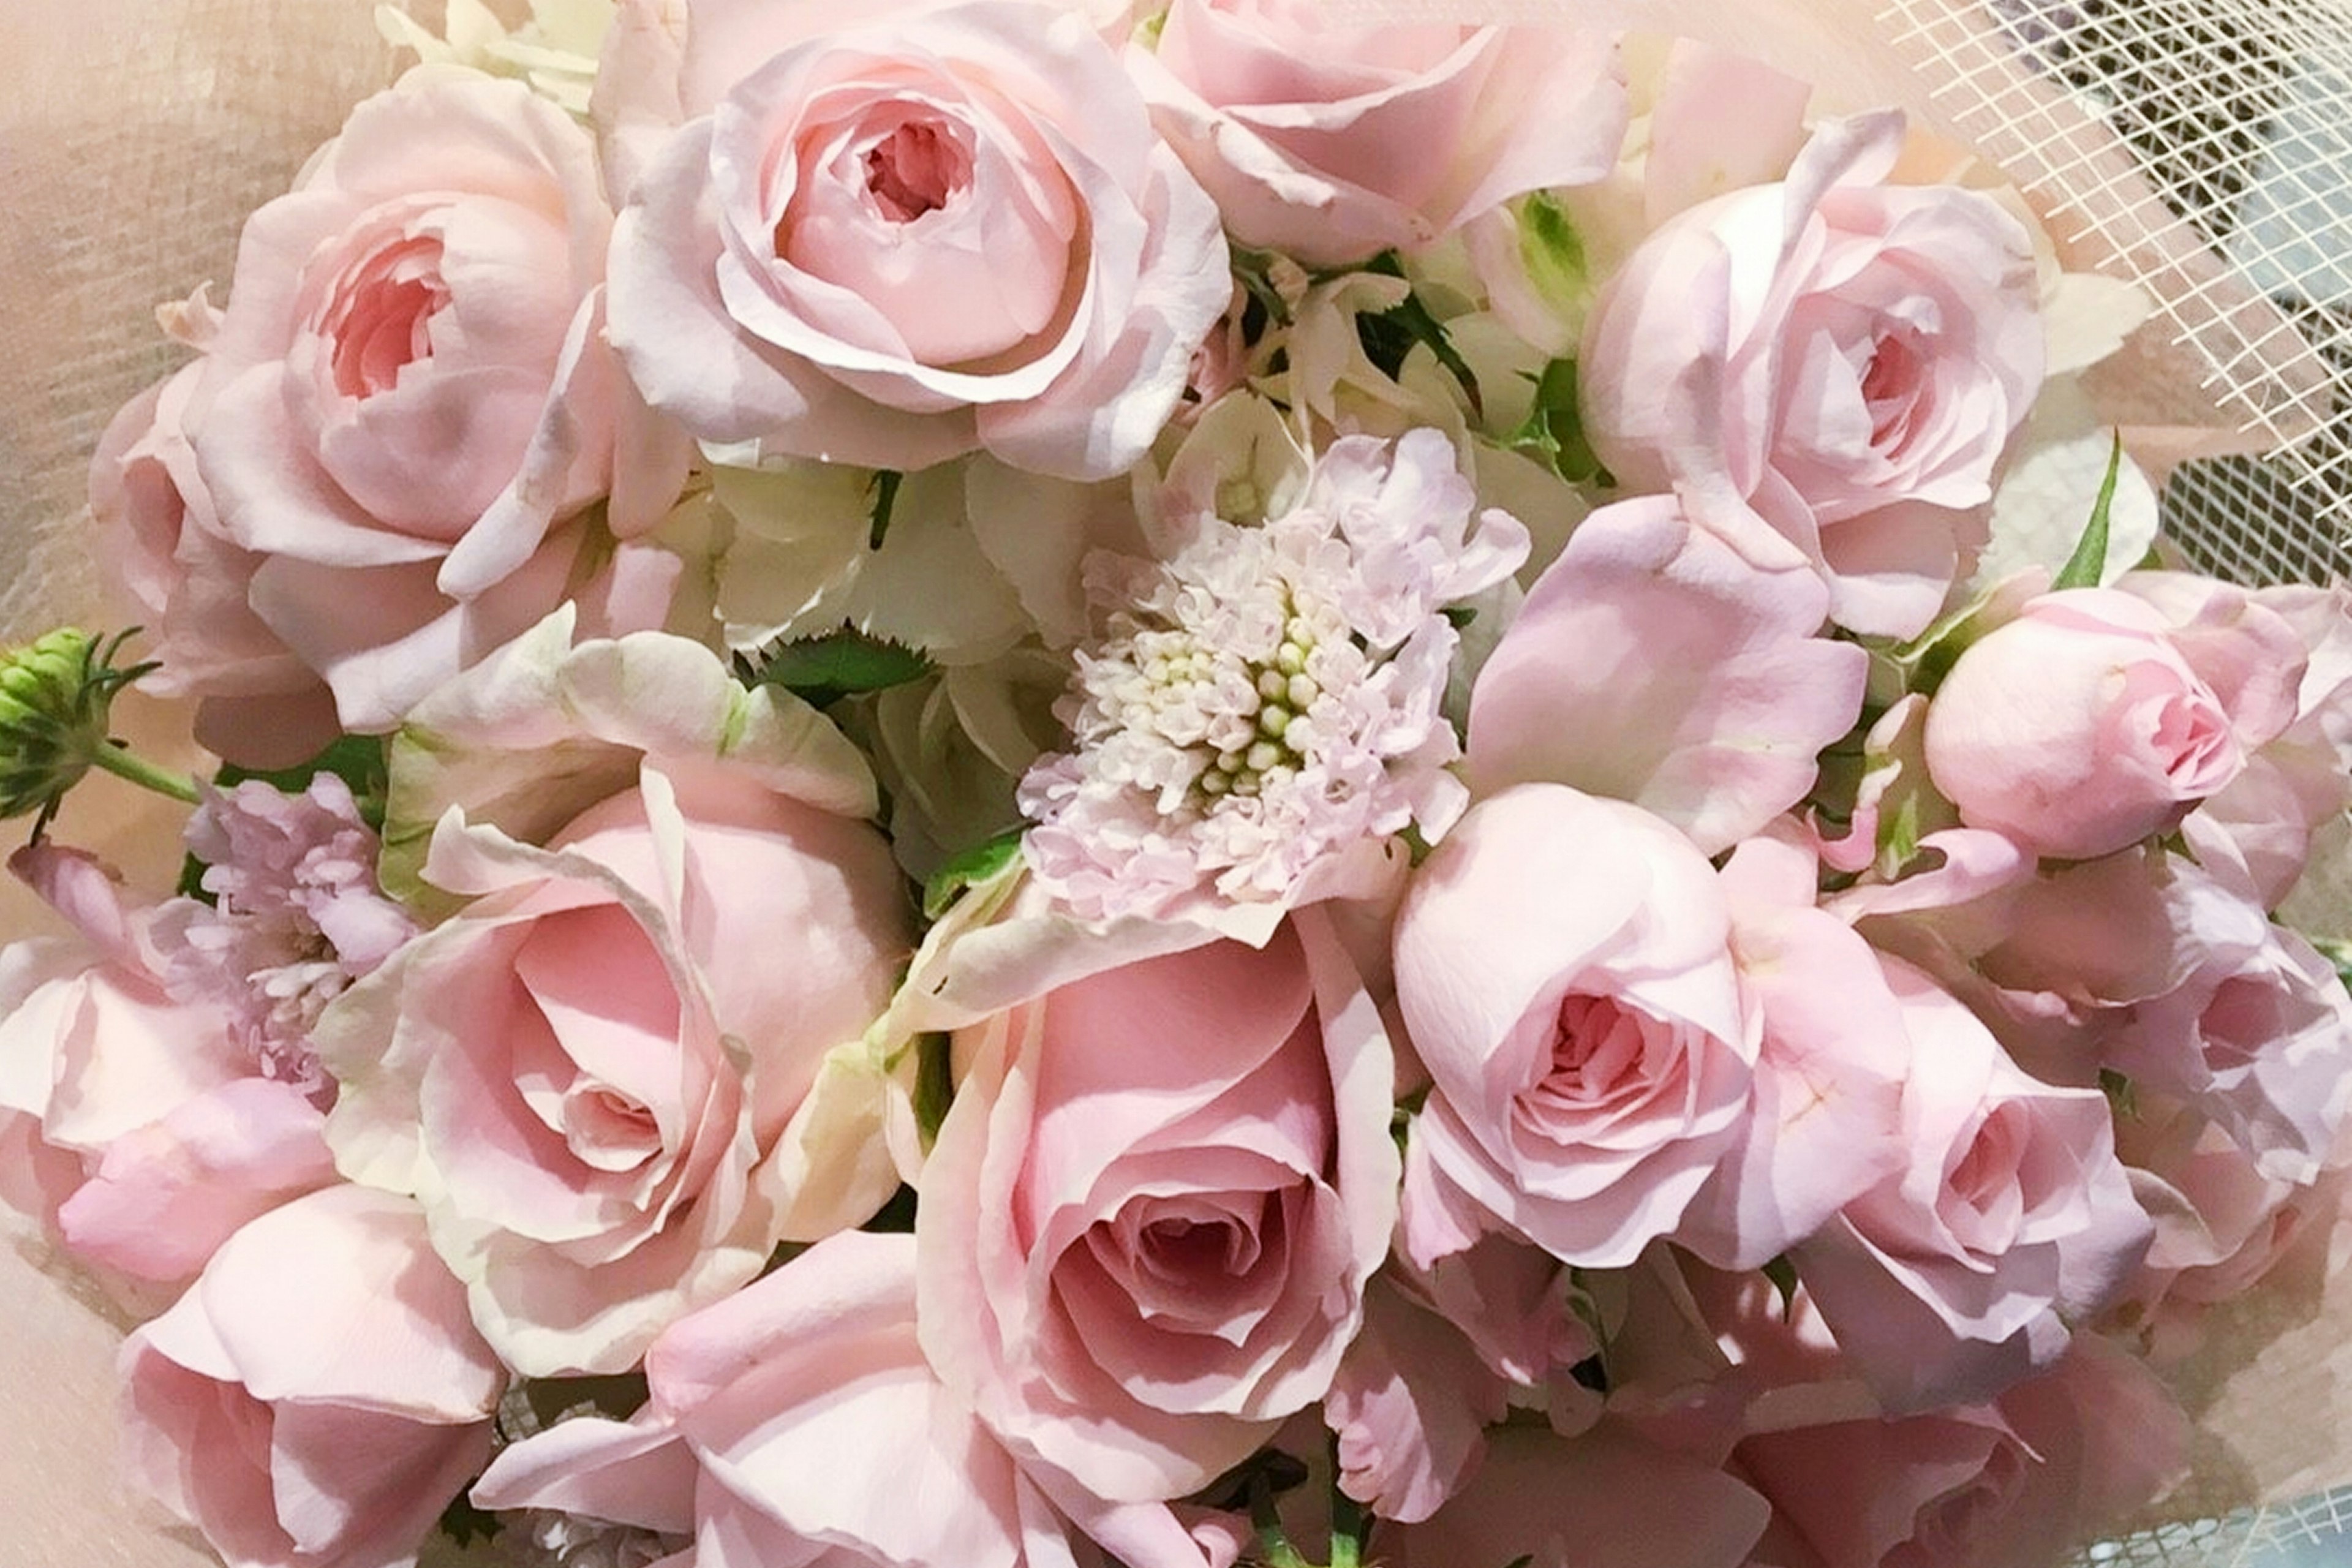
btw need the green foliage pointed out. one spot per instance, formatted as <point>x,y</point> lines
<point>823,670</point>
<point>1388,336</point>
<point>2087,566</point>
<point>1553,432</point>
<point>970,868</point>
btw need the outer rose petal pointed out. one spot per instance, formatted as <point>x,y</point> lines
<point>1652,663</point>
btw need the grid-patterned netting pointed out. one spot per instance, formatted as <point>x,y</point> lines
<point>2203,148</point>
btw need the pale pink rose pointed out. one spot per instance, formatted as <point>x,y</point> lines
<point>1564,970</point>
<point>257,704</point>
<point>586,1075</point>
<point>795,270</point>
<point>1655,663</point>
<point>409,399</point>
<point>1331,140</point>
<point>1605,1500</point>
<point>2093,720</point>
<point>2222,1227</point>
<point>799,1417</point>
<point>1147,1224</point>
<point>318,1396</point>
<point>1959,1275</point>
<point>1978,1485</point>
<point>163,1128</point>
<point>1847,357</point>
<point>2301,778</point>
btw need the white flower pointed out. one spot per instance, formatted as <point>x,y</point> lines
<point>1269,697</point>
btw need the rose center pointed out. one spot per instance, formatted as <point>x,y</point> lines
<point>1890,388</point>
<point>1598,1047</point>
<point>380,319</point>
<point>914,171</point>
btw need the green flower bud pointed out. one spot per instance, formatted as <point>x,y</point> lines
<point>54,697</point>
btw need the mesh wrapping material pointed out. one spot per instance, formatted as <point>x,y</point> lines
<point>2198,146</point>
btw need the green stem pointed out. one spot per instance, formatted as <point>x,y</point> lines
<point>139,771</point>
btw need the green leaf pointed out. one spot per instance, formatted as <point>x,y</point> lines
<point>823,670</point>
<point>1388,335</point>
<point>1553,432</point>
<point>968,868</point>
<point>357,760</point>
<point>2088,565</point>
<point>885,496</point>
<point>1783,1275</point>
<point>896,1217</point>
<point>464,1523</point>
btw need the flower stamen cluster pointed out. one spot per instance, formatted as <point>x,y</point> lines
<point>1269,696</point>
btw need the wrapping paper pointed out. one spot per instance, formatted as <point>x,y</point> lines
<point>136,135</point>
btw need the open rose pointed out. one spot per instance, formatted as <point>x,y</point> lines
<point>1332,141</point>
<point>598,1076</point>
<point>895,243</point>
<point>318,1396</point>
<point>1845,356</point>
<point>409,399</point>
<point>798,1416</point>
<point>1145,1230</point>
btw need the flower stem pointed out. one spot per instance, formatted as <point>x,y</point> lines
<point>130,765</point>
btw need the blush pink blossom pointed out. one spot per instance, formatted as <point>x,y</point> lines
<point>409,400</point>
<point>1331,140</point>
<point>1959,1275</point>
<point>318,1396</point>
<point>1655,663</point>
<point>2092,720</point>
<point>2079,1448</point>
<point>1145,1230</point>
<point>798,1417</point>
<point>895,243</point>
<point>1844,357</point>
<point>257,704</point>
<point>1564,970</point>
<point>1264,707</point>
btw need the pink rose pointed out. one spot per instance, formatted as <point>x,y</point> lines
<point>1333,141</point>
<point>409,394</point>
<point>800,1416</point>
<point>1146,1227</point>
<point>586,1076</point>
<point>893,244</point>
<point>164,1134</point>
<point>1626,1046</point>
<point>318,1397</point>
<point>1957,1275</point>
<point>1605,1500</point>
<point>258,705</point>
<point>1564,969</point>
<point>1847,357</point>
<point>2092,720</point>
<point>1983,1486</point>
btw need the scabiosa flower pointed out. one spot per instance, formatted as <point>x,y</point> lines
<point>297,917</point>
<point>1269,696</point>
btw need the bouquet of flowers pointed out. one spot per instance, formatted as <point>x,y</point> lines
<point>1055,782</point>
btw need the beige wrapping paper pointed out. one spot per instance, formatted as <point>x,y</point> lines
<point>134,136</point>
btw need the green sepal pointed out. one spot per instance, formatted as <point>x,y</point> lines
<point>969,867</point>
<point>1553,432</point>
<point>1388,336</point>
<point>2088,567</point>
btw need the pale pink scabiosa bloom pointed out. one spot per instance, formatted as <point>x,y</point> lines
<point>1267,698</point>
<point>297,917</point>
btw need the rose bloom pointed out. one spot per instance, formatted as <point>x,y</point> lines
<point>1976,1486</point>
<point>409,399</point>
<point>1146,1227</point>
<point>583,1074</point>
<point>318,1396</point>
<point>2092,720</point>
<point>767,1409</point>
<point>1959,1275</point>
<point>1332,142</point>
<point>1846,357</point>
<point>892,244</point>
